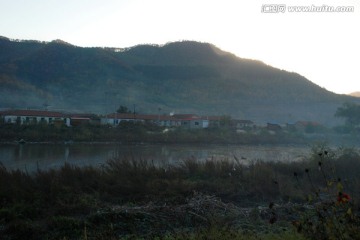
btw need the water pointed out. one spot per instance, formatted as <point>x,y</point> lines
<point>29,157</point>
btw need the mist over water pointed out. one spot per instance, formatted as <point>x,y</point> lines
<point>30,157</point>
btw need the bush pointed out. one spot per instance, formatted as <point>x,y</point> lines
<point>135,198</point>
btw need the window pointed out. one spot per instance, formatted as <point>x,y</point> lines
<point>196,123</point>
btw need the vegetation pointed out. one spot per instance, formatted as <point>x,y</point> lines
<point>123,109</point>
<point>137,132</point>
<point>133,198</point>
<point>351,113</point>
<point>147,132</point>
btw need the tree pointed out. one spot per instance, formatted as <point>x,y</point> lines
<point>350,112</point>
<point>123,109</point>
<point>225,121</point>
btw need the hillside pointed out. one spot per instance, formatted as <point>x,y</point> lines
<point>355,94</point>
<point>181,76</point>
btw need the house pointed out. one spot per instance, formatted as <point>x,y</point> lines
<point>78,119</point>
<point>192,121</point>
<point>162,120</point>
<point>28,117</point>
<point>243,124</point>
<point>217,121</point>
<point>114,119</point>
<point>214,121</point>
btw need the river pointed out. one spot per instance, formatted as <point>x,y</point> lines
<point>29,157</point>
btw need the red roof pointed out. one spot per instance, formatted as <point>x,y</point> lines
<point>32,113</point>
<point>176,117</point>
<point>186,116</point>
<point>159,117</point>
<point>141,116</point>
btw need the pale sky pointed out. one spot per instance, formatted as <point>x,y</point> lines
<point>322,46</point>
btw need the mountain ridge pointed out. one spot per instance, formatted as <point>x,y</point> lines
<point>182,76</point>
<point>355,94</point>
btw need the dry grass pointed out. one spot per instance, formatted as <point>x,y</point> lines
<point>132,197</point>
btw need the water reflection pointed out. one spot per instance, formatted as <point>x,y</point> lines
<point>31,156</point>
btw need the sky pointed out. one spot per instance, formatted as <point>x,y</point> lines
<point>320,45</point>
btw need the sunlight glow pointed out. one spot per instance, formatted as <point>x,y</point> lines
<point>321,46</point>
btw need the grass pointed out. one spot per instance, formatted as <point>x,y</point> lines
<point>218,198</point>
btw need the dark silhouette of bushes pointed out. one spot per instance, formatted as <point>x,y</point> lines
<point>135,197</point>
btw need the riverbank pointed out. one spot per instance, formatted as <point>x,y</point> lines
<point>133,198</point>
<point>149,134</point>
<point>140,133</point>
<point>33,156</point>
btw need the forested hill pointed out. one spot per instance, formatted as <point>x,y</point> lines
<point>181,77</point>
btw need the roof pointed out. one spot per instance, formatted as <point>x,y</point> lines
<point>80,118</point>
<point>141,116</point>
<point>176,117</point>
<point>89,116</point>
<point>186,116</point>
<point>189,117</point>
<point>32,113</point>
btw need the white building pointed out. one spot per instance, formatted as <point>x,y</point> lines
<point>22,117</point>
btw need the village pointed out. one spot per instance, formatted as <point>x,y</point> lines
<point>187,121</point>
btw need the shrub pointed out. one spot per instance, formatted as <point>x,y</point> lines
<point>196,196</point>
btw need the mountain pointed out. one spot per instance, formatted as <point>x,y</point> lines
<point>355,94</point>
<point>182,77</point>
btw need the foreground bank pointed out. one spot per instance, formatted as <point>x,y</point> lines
<point>134,198</point>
